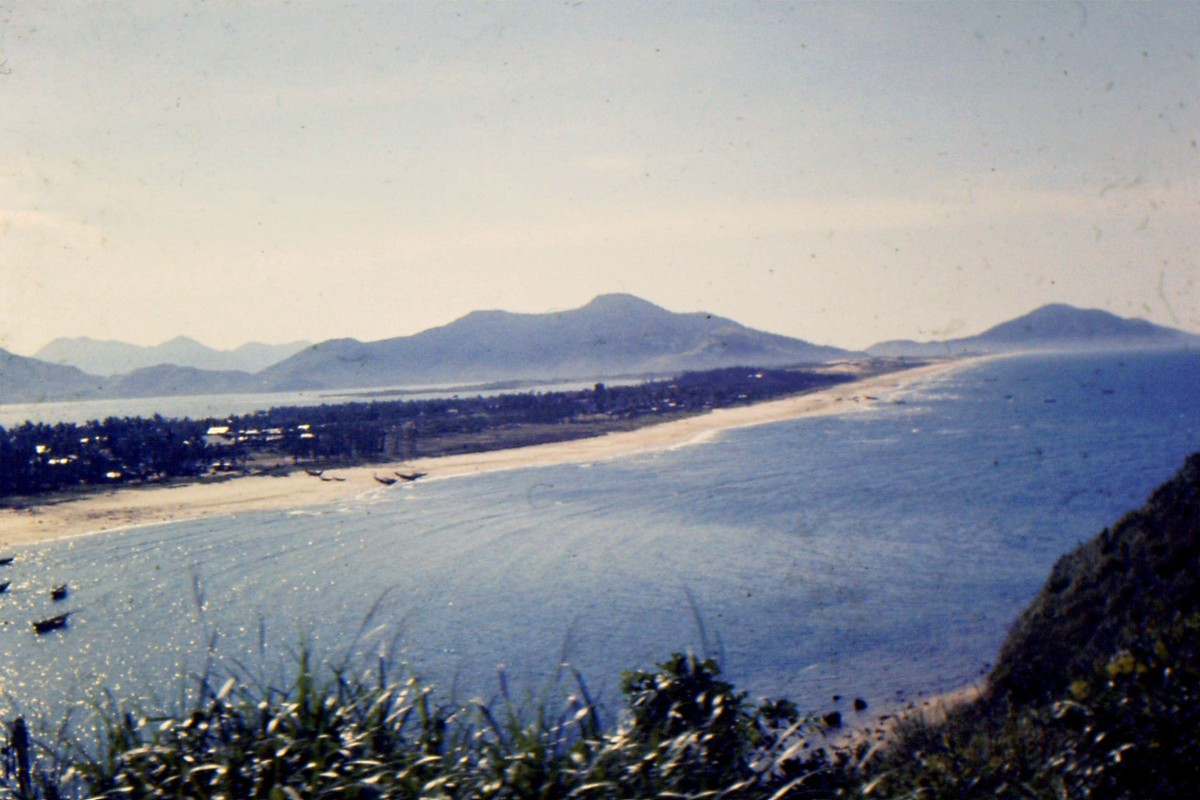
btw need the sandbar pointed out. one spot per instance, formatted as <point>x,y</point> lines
<point>147,505</point>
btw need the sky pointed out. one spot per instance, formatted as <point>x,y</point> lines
<point>844,173</point>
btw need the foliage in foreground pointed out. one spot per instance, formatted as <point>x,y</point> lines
<point>1129,729</point>
<point>685,733</point>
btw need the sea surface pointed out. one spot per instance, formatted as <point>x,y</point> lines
<point>880,554</point>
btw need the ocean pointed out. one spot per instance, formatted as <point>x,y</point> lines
<point>880,553</point>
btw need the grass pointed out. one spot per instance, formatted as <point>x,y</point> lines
<point>683,733</point>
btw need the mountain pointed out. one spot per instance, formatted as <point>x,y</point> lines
<point>1051,327</point>
<point>615,334</point>
<point>117,358</point>
<point>168,380</point>
<point>257,356</point>
<point>28,380</point>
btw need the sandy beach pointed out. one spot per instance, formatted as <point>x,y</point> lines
<point>879,726</point>
<point>128,507</point>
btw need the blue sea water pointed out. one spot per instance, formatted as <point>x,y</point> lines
<point>879,553</point>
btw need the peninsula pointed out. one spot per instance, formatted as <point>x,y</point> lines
<point>284,483</point>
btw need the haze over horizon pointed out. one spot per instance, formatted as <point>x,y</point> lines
<point>839,173</point>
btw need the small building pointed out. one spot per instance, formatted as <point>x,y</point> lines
<point>218,435</point>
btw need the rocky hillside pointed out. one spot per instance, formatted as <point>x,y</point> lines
<point>1146,567</point>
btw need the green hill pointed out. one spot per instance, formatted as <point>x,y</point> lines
<point>1139,572</point>
<point>1097,690</point>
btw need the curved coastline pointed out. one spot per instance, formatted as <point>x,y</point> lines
<point>141,506</point>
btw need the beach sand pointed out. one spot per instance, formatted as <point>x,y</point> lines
<point>136,506</point>
<point>879,726</point>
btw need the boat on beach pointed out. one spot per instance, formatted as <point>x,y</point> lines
<point>43,626</point>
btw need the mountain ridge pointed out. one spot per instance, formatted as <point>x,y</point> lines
<point>613,334</point>
<point>108,357</point>
<point>30,380</point>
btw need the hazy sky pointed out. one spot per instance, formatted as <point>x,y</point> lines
<point>839,172</point>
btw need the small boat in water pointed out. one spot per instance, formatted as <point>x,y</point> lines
<point>52,624</point>
<point>4,562</point>
<point>59,592</point>
<point>4,586</point>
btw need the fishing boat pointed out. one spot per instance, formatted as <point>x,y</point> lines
<point>385,481</point>
<point>59,592</point>
<point>52,624</point>
<point>410,476</point>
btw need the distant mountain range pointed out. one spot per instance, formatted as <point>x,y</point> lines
<point>1051,327</point>
<point>100,357</point>
<point>615,334</point>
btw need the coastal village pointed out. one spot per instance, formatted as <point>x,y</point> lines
<point>38,458</point>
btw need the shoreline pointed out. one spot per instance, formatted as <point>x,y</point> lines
<point>880,728</point>
<point>131,507</point>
